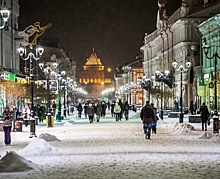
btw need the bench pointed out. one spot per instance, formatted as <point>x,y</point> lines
<point>173,114</point>
<point>194,118</point>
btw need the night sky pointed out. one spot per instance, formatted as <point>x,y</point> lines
<point>115,28</point>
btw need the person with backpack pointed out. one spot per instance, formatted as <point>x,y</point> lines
<point>147,116</point>
<point>126,110</point>
<point>117,111</point>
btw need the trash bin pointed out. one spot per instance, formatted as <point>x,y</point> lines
<point>18,126</point>
<point>49,120</point>
<point>32,128</point>
<point>215,124</point>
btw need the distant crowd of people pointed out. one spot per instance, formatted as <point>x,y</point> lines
<point>98,110</point>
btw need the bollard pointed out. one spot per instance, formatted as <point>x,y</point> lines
<point>215,124</point>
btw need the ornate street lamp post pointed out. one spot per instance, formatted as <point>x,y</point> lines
<point>25,55</point>
<point>214,56</point>
<point>48,71</point>
<point>127,70</point>
<point>59,77</point>
<point>161,76</point>
<point>66,82</point>
<point>5,13</point>
<point>181,68</point>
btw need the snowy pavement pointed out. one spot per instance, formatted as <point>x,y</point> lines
<point>112,150</point>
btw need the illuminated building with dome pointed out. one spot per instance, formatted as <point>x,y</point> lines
<point>94,77</point>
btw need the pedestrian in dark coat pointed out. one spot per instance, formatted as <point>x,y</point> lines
<point>126,110</point>
<point>85,109</point>
<point>204,116</point>
<point>112,109</point>
<point>121,105</point>
<point>98,112</point>
<point>79,108</point>
<point>90,112</point>
<point>147,116</point>
<point>7,118</point>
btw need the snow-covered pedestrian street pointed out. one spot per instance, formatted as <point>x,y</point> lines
<point>111,150</point>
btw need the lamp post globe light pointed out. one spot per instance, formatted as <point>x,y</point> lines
<point>5,13</point>
<point>26,53</point>
<point>206,47</point>
<point>48,71</point>
<point>161,76</point>
<point>145,83</point>
<point>181,68</point>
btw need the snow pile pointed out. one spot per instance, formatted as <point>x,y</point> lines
<point>206,135</point>
<point>12,162</point>
<point>38,147</point>
<point>180,128</point>
<point>48,137</point>
<point>69,123</point>
<point>215,138</point>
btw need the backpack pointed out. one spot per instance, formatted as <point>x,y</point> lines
<point>117,109</point>
<point>147,113</point>
<point>126,107</point>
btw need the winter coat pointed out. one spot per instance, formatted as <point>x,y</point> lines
<point>98,110</point>
<point>90,111</point>
<point>7,118</point>
<point>147,114</point>
<point>204,113</point>
<point>117,108</point>
<point>79,108</point>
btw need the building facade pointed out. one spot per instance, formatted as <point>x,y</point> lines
<point>176,38</point>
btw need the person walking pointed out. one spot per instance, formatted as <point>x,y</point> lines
<point>85,109</point>
<point>126,110</point>
<point>117,111</point>
<point>121,106</point>
<point>90,112</point>
<point>104,106</point>
<point>175,106</point>
<point>147,116</point>
<point>154,124</point>
<point>191,108</point>
<point>98,112</point>
<point>7,118</point>
<point>54,107</point>
<point>79,108</point>
<point>204,115</point>
<point>112,109</point>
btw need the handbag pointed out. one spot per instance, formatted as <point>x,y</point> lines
<point>208,121</point>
